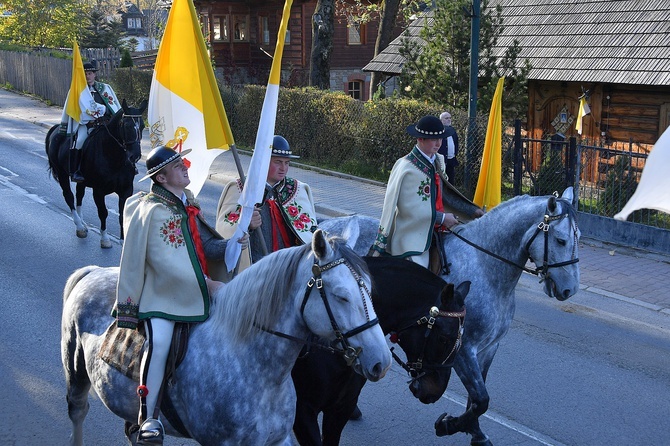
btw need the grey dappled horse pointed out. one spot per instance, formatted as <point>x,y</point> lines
<point>491,252</point>
<point>234,385</point>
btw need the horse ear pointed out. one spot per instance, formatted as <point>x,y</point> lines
<point>446,296</point>
<point>320,246</point>
<point>462,291</point>
<point>143,106</point>
<point>569,194</point>
<point>551,204</point>
<point>124,104</point>
<point>352,231</point>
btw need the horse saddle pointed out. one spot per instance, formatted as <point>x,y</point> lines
<point>123,349</point>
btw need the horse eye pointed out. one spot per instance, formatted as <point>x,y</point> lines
<point>562,241</point>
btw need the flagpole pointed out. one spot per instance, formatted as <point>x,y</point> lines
<point>240,171</point>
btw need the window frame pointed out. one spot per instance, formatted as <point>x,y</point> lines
<point>222,21</point>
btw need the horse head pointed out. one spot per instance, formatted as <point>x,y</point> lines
<point>438,341</point>
<point>343,283</point>
<point>131,127</point>
<point>553,247</point>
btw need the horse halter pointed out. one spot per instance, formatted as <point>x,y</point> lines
<point>349,353</point>
<point>415,368</point>
<point>544,227</point>
<point>137,133</point>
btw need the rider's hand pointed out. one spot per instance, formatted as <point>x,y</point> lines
<point>449,221</point>
<point>256,220</point>
<point>244,241</point>
<point>213,285</point>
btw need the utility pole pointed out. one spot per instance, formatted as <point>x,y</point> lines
<point>472,93</point>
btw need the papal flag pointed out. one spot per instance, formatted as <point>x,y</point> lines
<point>257,174</point>
<point>185,107</point>
<point>80,104</point>
<point>489,184</point>
<point>652,191</point>
<point>584,110</point>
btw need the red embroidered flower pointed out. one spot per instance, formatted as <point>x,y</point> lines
<point>233,217</point>
<point>426,190</point>
<point>298,224</point>
<point>305,218</point>
<point>293,210</point>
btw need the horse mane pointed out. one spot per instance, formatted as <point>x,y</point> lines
<point>255,297</point>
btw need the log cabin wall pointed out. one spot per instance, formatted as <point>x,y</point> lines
<point>248,60</point>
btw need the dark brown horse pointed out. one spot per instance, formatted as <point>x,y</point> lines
<point>108,165</point>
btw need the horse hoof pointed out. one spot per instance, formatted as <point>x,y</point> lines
<point>442,425</point>
<point>82,233</point>
<point>484,442</point>
<point>105,244</point>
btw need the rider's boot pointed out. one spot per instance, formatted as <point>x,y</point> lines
<point>75,165</point>
<point>151,432</point>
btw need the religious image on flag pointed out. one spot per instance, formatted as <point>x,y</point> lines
<point>584,110</point>
<point>185,106</point>
<point>489,184</point>
<point>254,187</point>
<point>80,104</point>
<point>652,190</point>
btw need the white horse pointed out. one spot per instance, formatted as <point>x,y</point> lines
<point>234,386</point>
<point>491,252</point>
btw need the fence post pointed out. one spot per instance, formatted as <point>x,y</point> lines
<point>517,157</point>
<point>570,163</point>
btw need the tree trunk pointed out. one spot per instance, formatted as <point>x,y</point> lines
<point>384,37</point>
<point>323,28</point>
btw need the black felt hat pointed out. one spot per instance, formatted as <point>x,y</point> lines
<point>160,157</point>
<point>429,127</point>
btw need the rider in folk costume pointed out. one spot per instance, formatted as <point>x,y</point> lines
<point>163,273</point>
<point>106,105</point>
<point>285,218</point>
<point>420,202</point>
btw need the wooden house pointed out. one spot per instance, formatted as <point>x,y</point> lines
<point>615,52</point>
<point>242,36</point>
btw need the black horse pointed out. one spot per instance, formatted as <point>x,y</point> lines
<point>423,314</point>
<point>108,165</point>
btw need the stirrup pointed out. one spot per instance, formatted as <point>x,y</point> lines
<point>151,432</point>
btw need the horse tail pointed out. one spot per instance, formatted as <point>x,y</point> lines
<point>47,144</point>
<point>74,279</point>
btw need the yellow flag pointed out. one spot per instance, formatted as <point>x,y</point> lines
<point>487,194</point>
<point>77,85</point>
<point>584,110</point>
<point>185,106</point>
<point>260,160</point>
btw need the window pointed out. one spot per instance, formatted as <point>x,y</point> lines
<point>240,28</point>
<point>221,28</point>
<point>355,89</point>
<point>134,23</point>
<point>264,30</point>
<point>355,32</point>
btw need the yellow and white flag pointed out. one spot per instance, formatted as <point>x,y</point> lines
<point>254,187</point>
<point>584,110</point>
<point>489,184</point>
<point>185,106</point>
<point>80,104</point>
<point>652,191</point>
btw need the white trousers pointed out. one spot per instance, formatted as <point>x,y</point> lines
<point>159,338</point>
<point>82,134</point>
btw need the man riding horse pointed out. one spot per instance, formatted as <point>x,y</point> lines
<point>106,104</point>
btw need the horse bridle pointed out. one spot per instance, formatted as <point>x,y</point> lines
<point>542,227</point>
<point>416,368</point>
<point>123,143</point>
<point>349,353</point>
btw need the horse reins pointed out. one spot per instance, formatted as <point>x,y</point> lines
<point>414,368</point>
<point>543,227</point>
<point>349,353</point>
